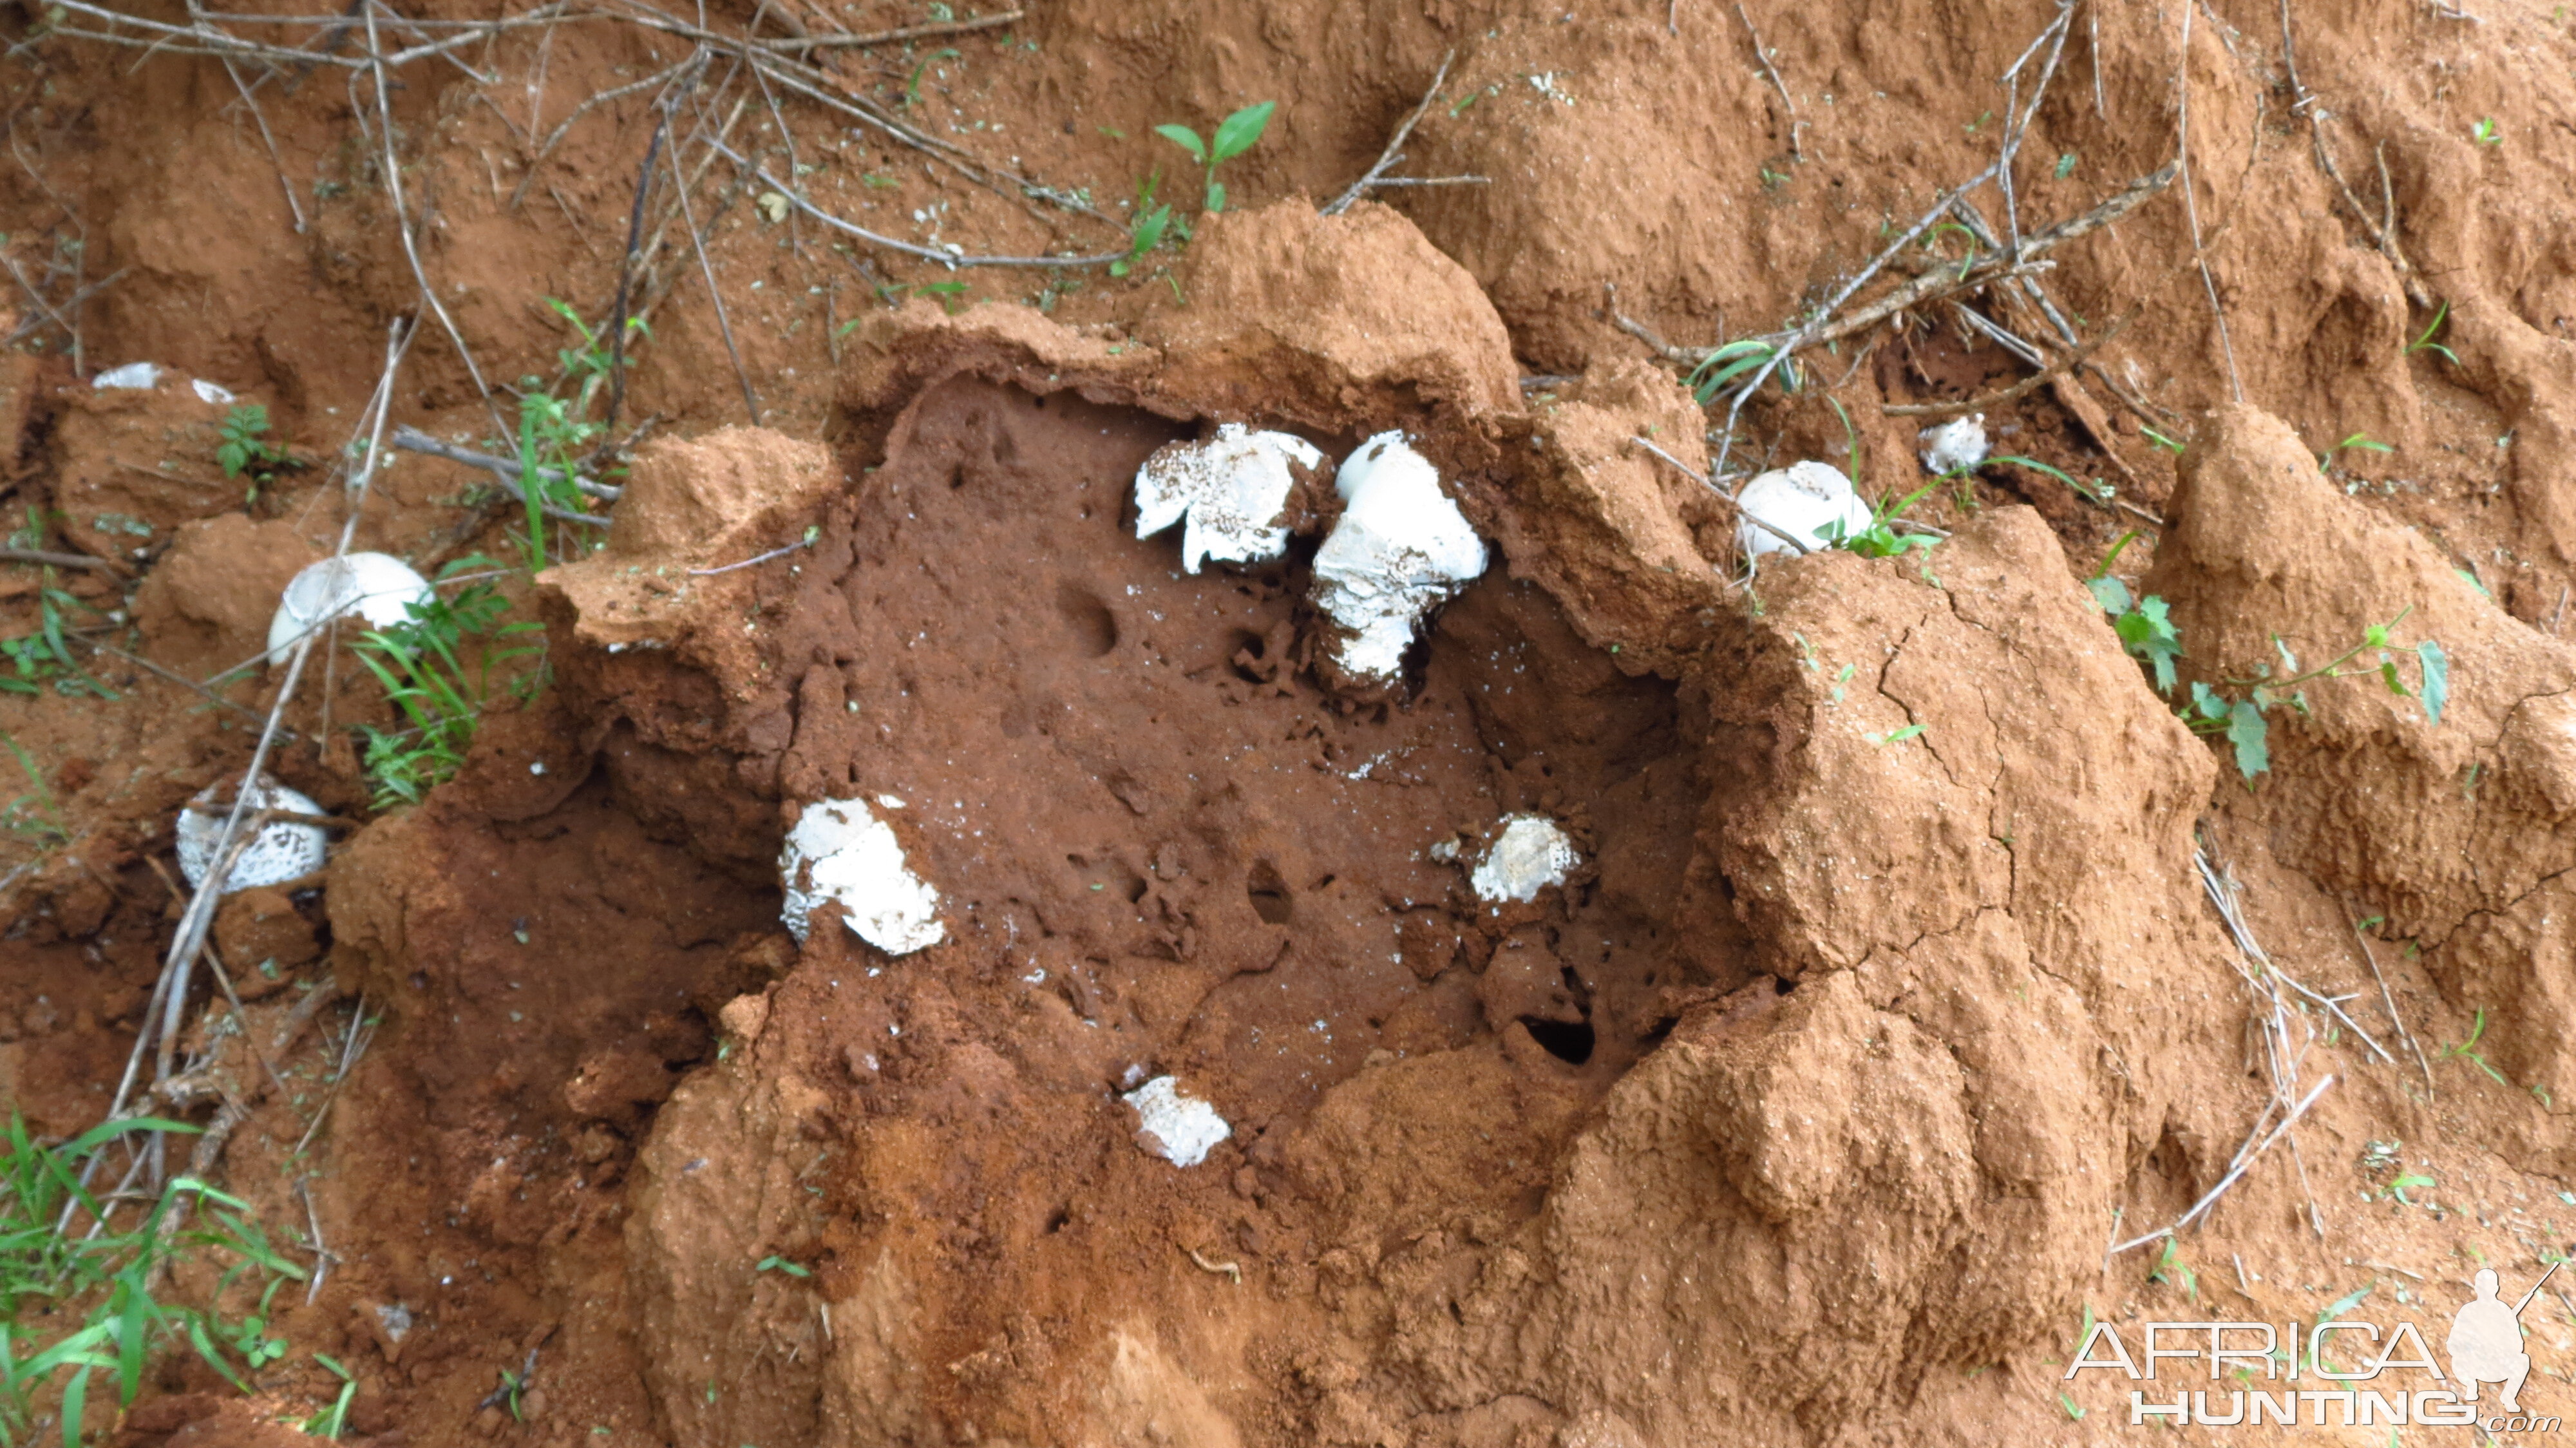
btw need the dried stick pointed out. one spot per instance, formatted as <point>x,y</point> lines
<point>411,250</point>
<point>2018,390</point>
<point>1714,486</point>
<point>889,37</point>
<point>2247,1160</point>
<point>715,294</point>
<point>2191,207</point>
<point>2386,998</point>
<point>51,559</point>
<point>1763,55</point>
<point>626,264</point>
<point>944,258</point>
<point>1394,152</point>
<point>555,137</point>
<point>410,439</point>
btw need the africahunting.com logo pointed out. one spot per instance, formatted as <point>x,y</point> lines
<point>2484,1347</point>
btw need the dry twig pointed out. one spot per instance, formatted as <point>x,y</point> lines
<point>1388,159</point>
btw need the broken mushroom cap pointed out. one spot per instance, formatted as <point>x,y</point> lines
<point>1532,853</point>
<point>840,852</point>
<point>1231,487</point>
<point>378,587</point>
<point>1958,443</point>
<point>285,850</point>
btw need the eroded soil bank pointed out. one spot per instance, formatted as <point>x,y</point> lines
<point>1895,993</point>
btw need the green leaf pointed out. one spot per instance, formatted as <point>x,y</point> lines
<point>775,1263</point>
<point>2247,731</point>
<point>1236,133</point>
<point>1895,736</point>
<point>2388,676</point>
<point>2437,678</point>
<point>1185,138</point>
<point>2111,594</point>
<point>2342,1305</point>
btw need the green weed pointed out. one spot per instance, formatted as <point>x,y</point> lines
<point>44,659</point>
<point>1880,539</point>
<point>245,443</point>
<point>2487,133</point>
<point>2169,1269</point>
<point>2360,440</point>
<point>1725,364</point>
<point>2239,707</point>
<point>422,666</point>
<point>2424,340</point>
<point>33,818</point>
<point>2467,1050</point>
<point>2170,444</point>
<point>62,1262</point>
<point>1234,136</point>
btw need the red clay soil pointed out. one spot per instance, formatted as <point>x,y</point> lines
<point>1888,997</point>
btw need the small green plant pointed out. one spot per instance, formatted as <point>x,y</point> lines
<point>2404,1183</point>
<point>1234,136</point>
<point>421,664</point>
<point>2424,340</point>
<point>2169,1269</point>
<point>245,443</point>
<point>2361,440</point>
<point>2486,132</point>
<point>76,1294</point>
<point>1143,237</point>
<point>2467,1050</point>
<point>776,1263</point>
<point>2238,707</point>
<point>2172,445</point>
<point>330,1422</point>
<point>32,818</point>
<point>2066,165</point>
<point>1725,364</point>
<point>44,658</point>
<point>1880,539</point>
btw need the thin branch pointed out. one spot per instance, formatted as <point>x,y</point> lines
<point>2018,390</point>
<point>926,253</point>
<point>2191,206</point>
<point>1763,55</point>
<point>1714,486</point>
<point>889,37</point>
<point>1394,151</point>
<point>413,440</point>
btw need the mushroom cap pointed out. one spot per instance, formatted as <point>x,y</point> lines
<point>284,851</point>
<point>1401,547</point>
<point>376,586</point>
<point>1804,500</point>
<point>1958,443</point>
<point>1531,854</point>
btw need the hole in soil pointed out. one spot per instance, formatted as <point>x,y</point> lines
<point>1269,893</point>
<point>1166,724</point>
<point>1568,1041</point>
<point>1094,627</point>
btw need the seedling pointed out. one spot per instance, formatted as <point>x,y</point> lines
<point>1881,540</point>
<point>2410,1181</point>
<point>1143,237</point>
<point>2169,444</point>
<point>2066,165</point>
<point>330,1421</point>
<point>775,1263</point>
<point>2360,440</point>
<point>1234,136</point>
<point>32,818</point>
<point>2424,341</point>
<point>245,445</point>
<point>1725,364</point>
<point>44,658</point>
<point>420,663</point>
<point>2236,707</point>
<point>2467,1050</point>
<point>2170,1270</point>
<point>2487,133</point>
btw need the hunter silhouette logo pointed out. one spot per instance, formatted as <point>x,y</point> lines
<point>2486,1340</point>
<point>2485,1346</point>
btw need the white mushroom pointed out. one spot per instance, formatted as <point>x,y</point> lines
<point>284,851</point>
<point>1531,854</point>
<point>1400,549</point>
<point>1231,488</point>
<point>1804,500</point>
<point>132,377</point>
<point>1953,445</point>
<point>1182,1129</point>
<point>378,587</point>
<point>841,852</point>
